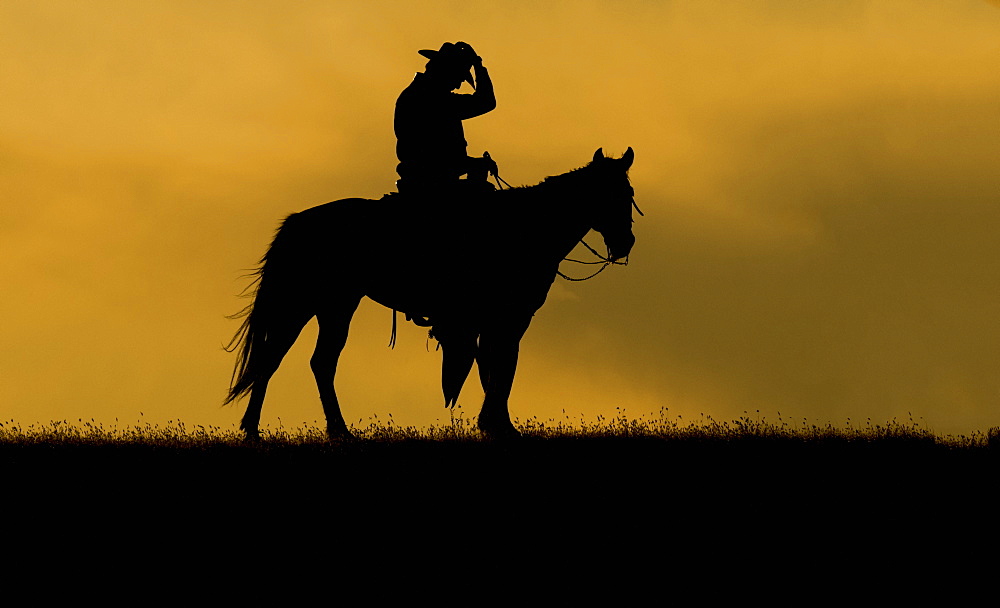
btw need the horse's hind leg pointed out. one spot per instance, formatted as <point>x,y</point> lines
<point>334,321</point>
<point>274,349</point>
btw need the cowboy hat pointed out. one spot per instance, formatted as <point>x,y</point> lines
<point>457,57</point>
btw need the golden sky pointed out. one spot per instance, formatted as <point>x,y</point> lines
<point>820,182</point>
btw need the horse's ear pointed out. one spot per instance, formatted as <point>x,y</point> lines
<point>628,158</point>
<point>599,154</point>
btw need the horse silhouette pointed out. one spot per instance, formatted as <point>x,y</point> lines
<point>477,270</point>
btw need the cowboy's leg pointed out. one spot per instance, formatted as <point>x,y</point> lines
<point>458,355</point>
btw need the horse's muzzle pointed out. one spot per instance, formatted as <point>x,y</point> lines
<point>619,245</point>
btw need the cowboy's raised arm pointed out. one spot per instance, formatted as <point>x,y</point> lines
<point>483,100</point>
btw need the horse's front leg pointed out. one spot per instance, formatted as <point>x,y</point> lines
<point>497,359</point>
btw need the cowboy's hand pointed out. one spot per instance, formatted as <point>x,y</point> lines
<point>490,164</point>
<point>467,48</point>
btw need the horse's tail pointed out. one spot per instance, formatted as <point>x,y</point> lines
<point>275,295</point>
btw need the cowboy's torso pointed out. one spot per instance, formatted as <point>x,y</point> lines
<point>428,126</point>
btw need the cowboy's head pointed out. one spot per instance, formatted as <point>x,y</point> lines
<point>451,64</point>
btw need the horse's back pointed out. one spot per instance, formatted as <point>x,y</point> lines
<point>421,255</point>
<point>346,221</point>
<point>345,207</point>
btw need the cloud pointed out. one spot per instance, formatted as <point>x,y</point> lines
<point>819,187</point>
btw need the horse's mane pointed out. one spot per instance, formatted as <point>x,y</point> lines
<point>570,185</point>
<point>571,179</point>
<point>569,175</point>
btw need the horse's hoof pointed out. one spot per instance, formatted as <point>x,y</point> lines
<point>340,435</point>
<point>251,437</point>
<point>505,432</point>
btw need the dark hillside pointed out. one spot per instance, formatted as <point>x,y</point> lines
<point>551,476</point>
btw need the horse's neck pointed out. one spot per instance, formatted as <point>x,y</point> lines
<point>557,210</point>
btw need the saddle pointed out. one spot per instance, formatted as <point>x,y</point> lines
<point>456,189</point>
<point>425,188</point>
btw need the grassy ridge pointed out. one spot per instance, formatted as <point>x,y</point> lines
<point>651,478</point>
<point>176,435</point>
<point>565,503</point>
<point>744,452</point>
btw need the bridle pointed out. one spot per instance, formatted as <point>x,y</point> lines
<point>603,260</point>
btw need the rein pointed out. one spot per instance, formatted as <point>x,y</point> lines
<point>499,180</point>
<point>605,261</point>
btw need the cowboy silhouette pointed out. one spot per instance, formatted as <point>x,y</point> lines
<point>432,153</point>
<point>430,140</point>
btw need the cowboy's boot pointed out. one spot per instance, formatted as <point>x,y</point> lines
<point>458,354</point>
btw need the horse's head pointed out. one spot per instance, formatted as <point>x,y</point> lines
<point>612,202</point>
